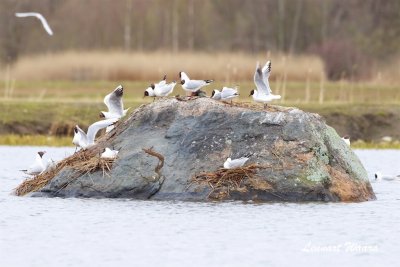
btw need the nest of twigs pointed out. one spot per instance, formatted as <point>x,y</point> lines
<point>224,181</point>
<point>82,162</point>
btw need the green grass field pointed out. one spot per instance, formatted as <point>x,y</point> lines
<point>292,92</point>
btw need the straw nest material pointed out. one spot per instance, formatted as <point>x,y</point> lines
<point>224,181</point>
<point>82,162</point>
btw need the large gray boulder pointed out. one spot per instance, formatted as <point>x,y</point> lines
<point>307,160</point>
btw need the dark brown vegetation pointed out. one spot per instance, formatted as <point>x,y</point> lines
<point>224,181</point>
<point>82,162</point>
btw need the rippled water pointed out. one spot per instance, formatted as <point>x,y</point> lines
<point>102,232</point>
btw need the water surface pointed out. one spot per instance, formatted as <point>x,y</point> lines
<point>104,232</point>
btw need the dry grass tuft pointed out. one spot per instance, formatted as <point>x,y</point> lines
<point>84,161</point>
<point>223,181</point>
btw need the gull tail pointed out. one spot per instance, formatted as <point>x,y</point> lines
<point>208,81</point>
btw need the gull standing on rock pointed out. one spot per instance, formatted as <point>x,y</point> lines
<point>83,140</point>
<point>235,163</point>
<point>192,86</point>
<point>263,92</point>
<point>164,89</point>
<point>46,26</point>
<point>160,90</point>
<point>38,166</point>
<point>225,94</point>
<point>109,153</point>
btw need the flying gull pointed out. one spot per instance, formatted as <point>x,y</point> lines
<point>42,19</point>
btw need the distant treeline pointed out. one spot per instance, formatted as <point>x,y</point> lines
<point>346,34</point>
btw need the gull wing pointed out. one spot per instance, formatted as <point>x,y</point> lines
<point>236,163</point>
<point>79,130</point>
<point>227,92</point>
<point>195,84</point>
<point>114,102</point>
<point>42,19</point>
<point>162,82</point>
<point>95,127</point>
<point>266,70</point>
<point>166,89</point>
<point>259,81</point>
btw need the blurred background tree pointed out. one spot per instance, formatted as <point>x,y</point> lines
<point>348,35</point>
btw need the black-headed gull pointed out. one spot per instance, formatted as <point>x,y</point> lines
<point>114,104</point>
<point>165,88</point>
<point>109,153</point>
<point>225,94</point>
<point>156,90</point>
<point>83,140</point>
<point>235,163</point>
<point>263,92</point>
<point>192,85</point>
<point>46,26</point>
<point>379,177</point>
<point>149,92</point>
<point>38,166</point>
<point>346,139</point>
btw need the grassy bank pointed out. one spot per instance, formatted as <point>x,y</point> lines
<point>36,140</point>
<point>53,108</point>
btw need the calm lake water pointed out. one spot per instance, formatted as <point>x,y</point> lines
<point>102,232</point>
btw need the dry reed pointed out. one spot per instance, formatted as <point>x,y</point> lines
<point>151,66</point>
<point>224,181</point>
<point>84,161</point>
